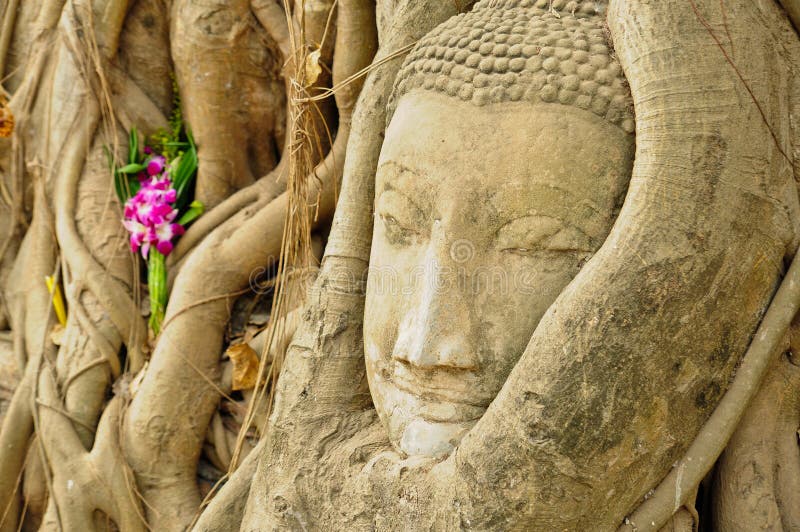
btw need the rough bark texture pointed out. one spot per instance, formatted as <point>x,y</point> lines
<point>92,72</point>
<point>757,473</point>
<point>108,430</point>
<point>676,291</point>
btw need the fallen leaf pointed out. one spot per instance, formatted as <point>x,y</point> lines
<point>313,70</point>
<point>57,334</point>
<point>245,366</point>
<point>6,119</point>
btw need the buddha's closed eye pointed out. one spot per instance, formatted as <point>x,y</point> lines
<point>403,221</point>
<point>397,233</point>
<point>541,236</point>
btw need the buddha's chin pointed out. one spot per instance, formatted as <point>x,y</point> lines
<point>436,439</point>
<point>425,426</point>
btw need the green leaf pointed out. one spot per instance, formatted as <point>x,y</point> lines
<point>125,186</point>
<point>133,185</point>
<point>132,168</point>
<point>133,146</point>
<point>195,210</point>
<point>184,171</point>
<point>119,187</point>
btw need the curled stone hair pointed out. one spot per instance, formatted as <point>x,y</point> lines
<point>551,51</point>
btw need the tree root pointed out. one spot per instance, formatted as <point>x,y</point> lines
<point>758,476</point>
<point>14,437</point>
<point>672,492</point>
<point>225,511</point>
<point>102,312</point>
<point>37,259</point>
<point>253,197</point>
<point>84,482</point>
<point>217,43</point>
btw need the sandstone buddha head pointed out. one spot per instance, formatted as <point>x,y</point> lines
<point>508,151</point>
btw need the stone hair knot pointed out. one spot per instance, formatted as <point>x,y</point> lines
<point>549,51</point>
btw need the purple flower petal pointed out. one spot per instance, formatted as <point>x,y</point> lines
<point>156,165</point>
<point>170,195</point>
<point>164,247</point>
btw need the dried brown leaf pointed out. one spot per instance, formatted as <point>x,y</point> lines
<point>245,366</point>
<point>313,68</point>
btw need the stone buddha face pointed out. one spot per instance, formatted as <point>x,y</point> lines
<point>483,215</point>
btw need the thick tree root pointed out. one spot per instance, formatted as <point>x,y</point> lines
<point>224,513</point>
<point>758,476</point>
<point>684,478</point>
<point>237,113</point>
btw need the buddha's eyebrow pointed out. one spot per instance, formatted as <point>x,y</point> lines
<point>406,197</point>
<point>401,168</point>
<point>399,171</point>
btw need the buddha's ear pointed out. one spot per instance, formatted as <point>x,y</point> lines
<point>632,358</point>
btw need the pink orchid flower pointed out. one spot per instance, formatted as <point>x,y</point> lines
<point>149,216</point>
<point>156,165</point>
<point>139,236</point>
<point>164,235</point>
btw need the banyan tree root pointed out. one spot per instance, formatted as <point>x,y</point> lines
<point>85,482</point>
<point>224,513</point>
<point>237,114</point>
<point>96,274</point>
<point>28,301</point>
<point>687,474</point>
<point>8,374</point>
<point>64,394</point>
<point>758,476</point>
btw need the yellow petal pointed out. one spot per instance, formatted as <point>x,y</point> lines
<point>58,301</point>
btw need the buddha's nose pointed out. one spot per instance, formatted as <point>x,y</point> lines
<point>429,349</point>
<point>436,331</point>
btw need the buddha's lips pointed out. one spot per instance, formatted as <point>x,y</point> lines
<point>433,385</point>
<point>433,405</point>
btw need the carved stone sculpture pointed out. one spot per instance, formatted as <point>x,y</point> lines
<point>481,232</point>
<point>557,290</point>
<point>509,145</point>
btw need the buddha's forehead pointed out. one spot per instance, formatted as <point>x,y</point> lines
<point>503,156</point>
<point>435,133</point>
